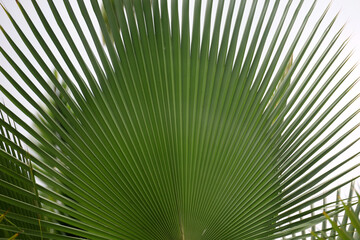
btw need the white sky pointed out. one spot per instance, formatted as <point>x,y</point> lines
<point>349,14</point>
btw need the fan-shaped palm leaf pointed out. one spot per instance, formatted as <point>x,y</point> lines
<point>164,133</point>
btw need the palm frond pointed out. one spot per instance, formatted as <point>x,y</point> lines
<point>17,183</point>
<point>342,223</point>
<point>168,127</point>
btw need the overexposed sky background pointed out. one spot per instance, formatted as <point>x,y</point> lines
<point>348,14</point>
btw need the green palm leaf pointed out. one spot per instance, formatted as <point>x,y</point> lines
<point>17,182</point>
<point>344,221</point>
<point>164,129</point>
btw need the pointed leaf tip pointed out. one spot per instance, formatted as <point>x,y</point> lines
<point>2,216</point>
<point>3,7</point>
<point>14,236</point>
<point>6,11</point>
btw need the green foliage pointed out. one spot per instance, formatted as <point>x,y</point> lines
<point>158,135</point>
<point>340,223</point>
<point>52,113</point>
<point>349,228</point>
<point>17,185</point>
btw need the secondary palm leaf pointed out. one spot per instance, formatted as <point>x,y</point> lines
<point>341,224</point>
<point>163,134</point>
